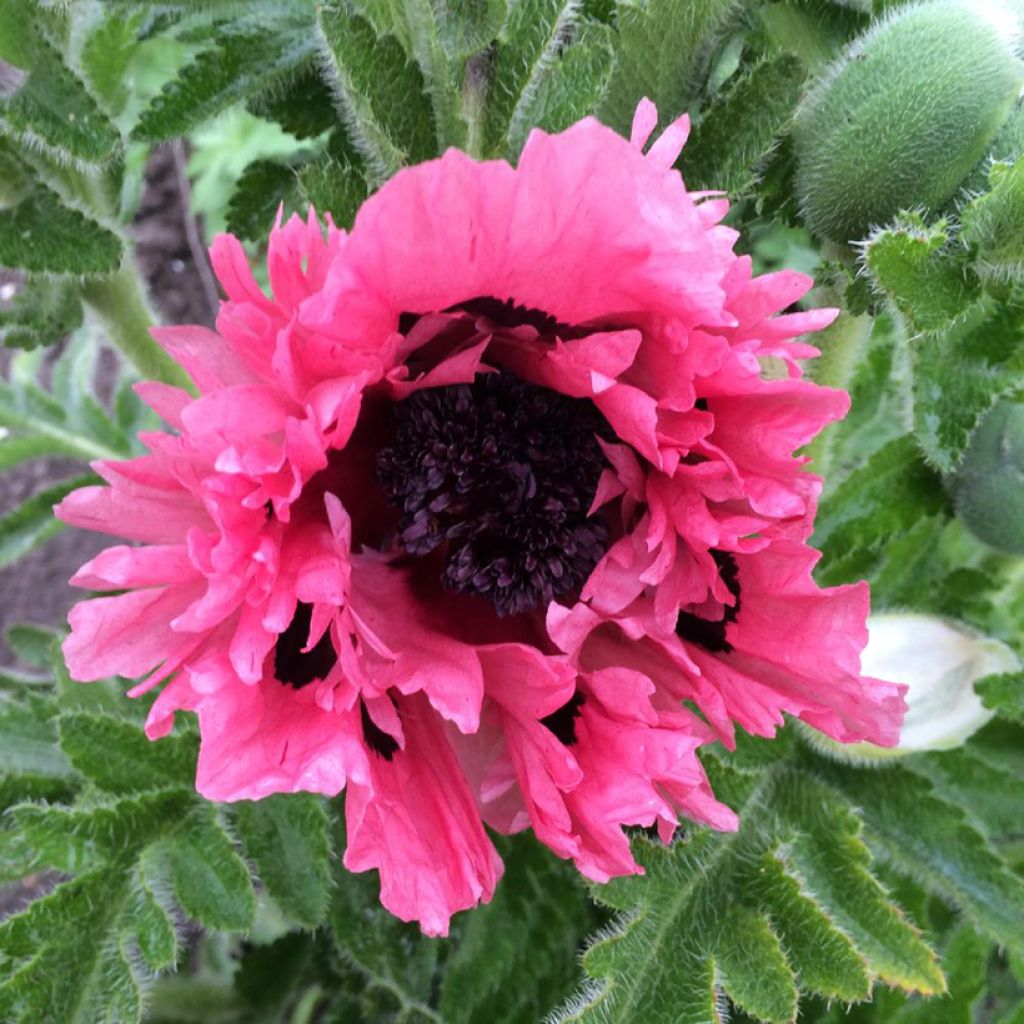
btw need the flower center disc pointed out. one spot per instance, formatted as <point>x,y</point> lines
<point>500,475</point>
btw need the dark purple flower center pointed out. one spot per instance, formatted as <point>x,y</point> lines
<point>710,633</point>
<point>294,666</point>
<point>499,476</point>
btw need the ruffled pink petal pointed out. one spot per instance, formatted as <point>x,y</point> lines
<point>417,824</point>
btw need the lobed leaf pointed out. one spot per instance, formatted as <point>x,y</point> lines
<point>43,235</point>
<point>286,837</point>
<point>51,110</point>
<point>662,48</point>
<point>245,57</point>
<point>387,113</point>
<point>740,127</point>
<point>567,87</point>
<point>912,265</point>
<point>114,754</point>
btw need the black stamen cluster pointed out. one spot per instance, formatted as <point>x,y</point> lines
<point>499,474</point>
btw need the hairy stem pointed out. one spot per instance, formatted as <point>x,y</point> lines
<point>120,301</point>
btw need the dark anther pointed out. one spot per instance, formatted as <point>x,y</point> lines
<point>506,313</point>
<point>379,741</point>
<point>509,314</point>
<point>563,721</point>
<point>499,475</point>
<point>710,633</point>
<point>269,509</point>
<point>702,404</point>
<point>291,664</point>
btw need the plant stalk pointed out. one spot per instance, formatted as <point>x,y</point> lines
<point>121,303</point>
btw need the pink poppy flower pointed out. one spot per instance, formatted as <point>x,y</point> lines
<point>467,509</point>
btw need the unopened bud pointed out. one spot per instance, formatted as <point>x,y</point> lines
<point>905,114</point>
<point>939,662</point>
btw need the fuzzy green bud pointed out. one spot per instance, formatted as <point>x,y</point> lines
<point>988,488</point>
<point>903,116</point>
<point>939,662</point>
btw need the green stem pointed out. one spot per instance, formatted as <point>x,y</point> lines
<point>842,345</point>
<point>120,301</point>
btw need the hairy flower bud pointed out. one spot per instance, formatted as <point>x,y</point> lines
<point>988,488</point>
<point>940,662</point>
<point>903,116</point>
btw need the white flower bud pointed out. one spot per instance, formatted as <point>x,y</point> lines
<point>939,661</point>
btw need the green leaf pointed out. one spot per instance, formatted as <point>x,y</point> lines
<point>530,40</point>
<point>912,265</point>
<point>61,973</point>
<point>1004,693</point>
<point>246,56</point>
<point>387,112</point>
<point>711,915</point>
<point>491,974</point>
<point>52,110</point>
<point>930,840</point>
<point>286,837</point>
<point>439,35</point>
<point>28,740</point>
<point>32,522</point>
<point>334,187</point>
<point>768,993</point>
<point>739,129</point>
<point>567,87</point>
<point>43,312</point>
<point>662,50</point>
<point>42,235</point>
<point>885,497</point>
<point>303,105</point>
<point>32,644</point>
<point>209,878</point>
<point>263,187</point>
<point>959,374</point>
<point>115,755</point>
<point>829,963</point>
<point>993,224</point>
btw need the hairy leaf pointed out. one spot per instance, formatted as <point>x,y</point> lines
<point>286,837</point>
<point>43,235</point>
<point>51,110</point>
<point>911,264</point>
<point>740,128</point>
<point>115,755</point>
<point>567,87</point>
<point>993,224</point>
<point>661,51</point>
<point>959,374</point>
<point>381,92</point>
<point>247,56</point>
<point>43,312</point>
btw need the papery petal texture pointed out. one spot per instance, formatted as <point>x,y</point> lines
<point>488,514</point>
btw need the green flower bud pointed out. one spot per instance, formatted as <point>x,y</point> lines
<point>988,489</point>
<point>905,114</point>
<point>939,662</point>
